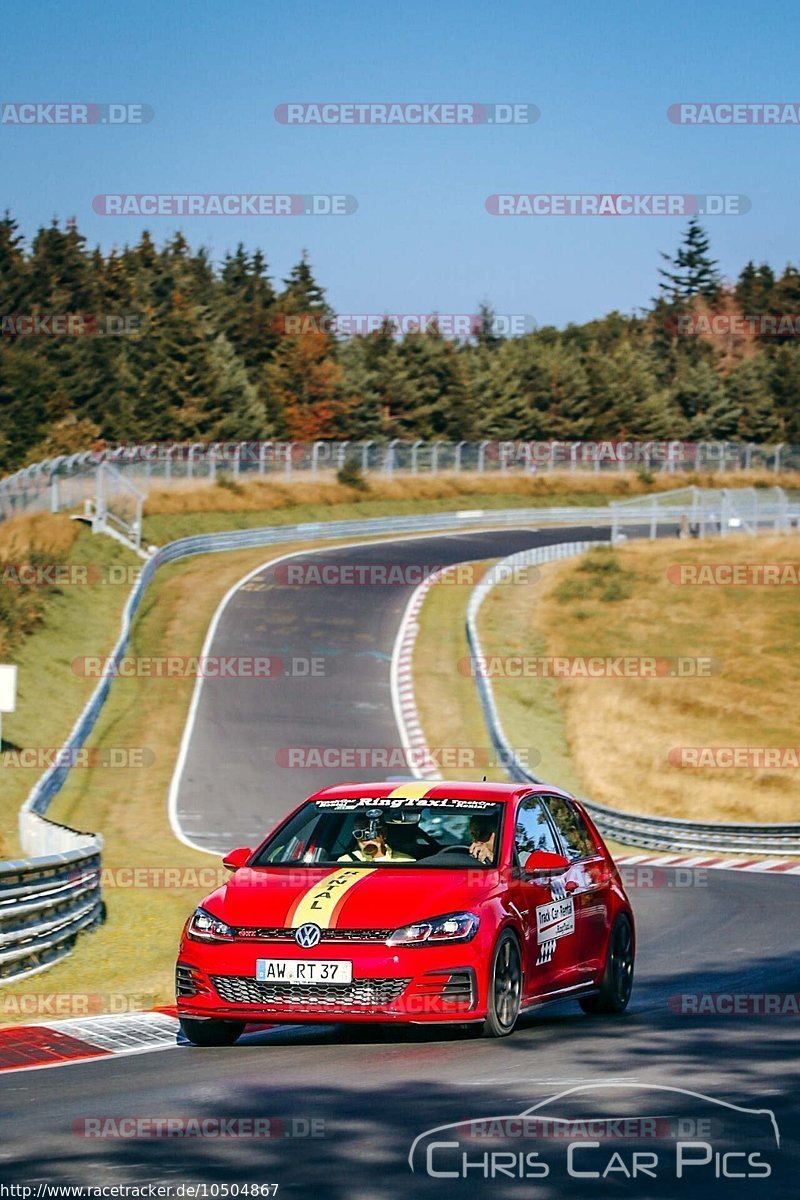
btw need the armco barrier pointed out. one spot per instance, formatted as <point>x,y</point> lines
<point>46,902</point>
<point>633,829</point>
<point>44,840</point>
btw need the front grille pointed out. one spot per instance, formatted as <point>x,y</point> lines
<point>361,993</point>
<point>283,933</point>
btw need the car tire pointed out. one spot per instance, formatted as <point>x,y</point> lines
<point>505,987</point>
<point>615,986</point>
<point>211,1033</point>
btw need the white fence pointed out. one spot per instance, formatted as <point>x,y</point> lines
<point>64,482</point>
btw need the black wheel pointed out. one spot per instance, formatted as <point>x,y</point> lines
<point>505,987</point>
<point>211,1033</point>
<point>617,981</point>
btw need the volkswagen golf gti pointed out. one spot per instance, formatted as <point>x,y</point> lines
<point>466,903</point>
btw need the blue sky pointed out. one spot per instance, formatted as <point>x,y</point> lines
<point>602,74</point>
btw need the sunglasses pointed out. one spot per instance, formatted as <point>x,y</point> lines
<point>363,834</point>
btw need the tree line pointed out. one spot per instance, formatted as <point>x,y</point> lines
<point>170,346</point>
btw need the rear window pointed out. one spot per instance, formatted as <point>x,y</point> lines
<point>572,827</point>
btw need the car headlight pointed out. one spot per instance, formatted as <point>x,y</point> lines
<point>455,927</point>
<point>204,927</point>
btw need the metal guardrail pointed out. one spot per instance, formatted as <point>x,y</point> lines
<point>634,829</point>
<point>49,931</point>
<point>47,901</point>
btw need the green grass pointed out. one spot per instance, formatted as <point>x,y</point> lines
<point>164,527</point>
<point>49,692</point>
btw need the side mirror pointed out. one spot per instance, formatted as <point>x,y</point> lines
<point>237,858</point>
<point>544,862</point>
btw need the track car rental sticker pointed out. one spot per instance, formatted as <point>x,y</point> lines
<point>555,920</point>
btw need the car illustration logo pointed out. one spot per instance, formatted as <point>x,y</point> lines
<point>308,935</point>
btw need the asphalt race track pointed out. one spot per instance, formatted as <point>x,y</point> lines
<point>232,789</point>
<point>373,1092</point>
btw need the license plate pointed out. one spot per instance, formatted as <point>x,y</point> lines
<point>302,970</point>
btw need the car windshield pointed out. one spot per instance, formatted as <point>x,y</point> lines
<point>390,831</point>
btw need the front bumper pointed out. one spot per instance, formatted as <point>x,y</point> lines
<point>431,983</point>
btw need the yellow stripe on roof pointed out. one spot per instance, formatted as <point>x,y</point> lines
<point>413,790</point>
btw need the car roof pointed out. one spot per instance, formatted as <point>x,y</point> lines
<point>435,790</point>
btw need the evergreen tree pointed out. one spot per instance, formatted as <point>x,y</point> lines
<point>692,271</point>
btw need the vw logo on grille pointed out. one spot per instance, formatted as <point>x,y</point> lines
<point>308,935</point>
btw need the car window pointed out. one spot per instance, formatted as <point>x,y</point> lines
<point>386,831</point>
<point>572,827</point>
<point>532,830</point>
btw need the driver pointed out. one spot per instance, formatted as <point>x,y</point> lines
<point>482,832</point>
<point>369,832</point>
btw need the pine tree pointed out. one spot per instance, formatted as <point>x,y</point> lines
<point>693,272</point>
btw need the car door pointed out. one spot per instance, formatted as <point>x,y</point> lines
<point>547,911</point>
<point>587,881</point>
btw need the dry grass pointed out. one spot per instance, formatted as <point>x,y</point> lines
<point>268,495</point>
<point>48,533</point>
<point>619,732</point>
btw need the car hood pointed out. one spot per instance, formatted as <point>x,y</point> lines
<point>348,897</point>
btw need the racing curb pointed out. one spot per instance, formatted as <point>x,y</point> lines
<point>406,715</point>
<point>88,1039</point>
<point>781,866</point>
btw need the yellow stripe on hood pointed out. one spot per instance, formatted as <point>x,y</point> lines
<point>322,901</point>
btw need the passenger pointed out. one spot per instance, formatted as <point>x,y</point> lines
<point>371,845</point>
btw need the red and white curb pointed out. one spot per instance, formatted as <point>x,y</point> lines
<point>81,1039</point>
<point>780,866</point>
<point>420,760</point>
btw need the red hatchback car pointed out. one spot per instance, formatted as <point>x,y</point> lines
<point>433,903</point>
